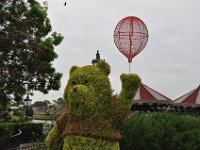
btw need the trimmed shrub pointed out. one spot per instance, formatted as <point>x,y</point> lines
<point>86,143</point>
<point>94,116</point>
<point>161,131</point>
<point>54,140</point>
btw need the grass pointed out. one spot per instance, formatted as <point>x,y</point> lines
<point>15,118</point>
<point>44,117</point>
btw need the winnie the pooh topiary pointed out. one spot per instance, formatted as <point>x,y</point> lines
<point>94,116</point>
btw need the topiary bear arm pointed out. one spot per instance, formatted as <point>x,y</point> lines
<point>130,84</point>
<point>54,139</point>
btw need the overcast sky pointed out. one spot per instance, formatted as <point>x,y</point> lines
<point>170,61</point>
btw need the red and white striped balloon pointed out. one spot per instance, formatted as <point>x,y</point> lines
<point>130,36</point>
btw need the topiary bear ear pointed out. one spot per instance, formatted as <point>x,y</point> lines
<point>104,67</point>
<point>73,68</point>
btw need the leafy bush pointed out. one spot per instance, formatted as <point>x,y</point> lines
<point>5,134</point>
<point>31,132</point>
<point>4,115</point>
<point>161,131</point>
<point>45,117</point>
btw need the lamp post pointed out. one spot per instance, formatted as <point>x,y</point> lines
<point>27,103</point>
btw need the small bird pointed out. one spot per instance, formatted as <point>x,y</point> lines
<point>65,3</point>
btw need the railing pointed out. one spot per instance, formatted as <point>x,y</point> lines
<point>15,144</point>
<point>10,142</point>
<point>30,146</point>
<point>15,139</point>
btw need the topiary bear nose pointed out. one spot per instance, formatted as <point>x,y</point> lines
<point>75,88</point>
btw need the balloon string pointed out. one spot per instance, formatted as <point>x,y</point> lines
<point>129,67</point>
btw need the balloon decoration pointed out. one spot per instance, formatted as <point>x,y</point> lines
<point>130,37</point>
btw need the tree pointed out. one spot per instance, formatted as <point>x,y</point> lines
<point>47,101</point>
<point>59,101</point>
<point>27,46</point>
<point>40,104</point>
<point>60,105</point>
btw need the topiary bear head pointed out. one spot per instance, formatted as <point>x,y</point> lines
<point>88,90</point>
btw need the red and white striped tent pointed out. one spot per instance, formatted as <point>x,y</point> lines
<point>146,94</point>
<point>191,98</point>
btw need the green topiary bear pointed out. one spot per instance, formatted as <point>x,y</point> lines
<point>94,115</point>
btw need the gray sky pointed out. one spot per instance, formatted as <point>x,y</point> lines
<point>170,61</point>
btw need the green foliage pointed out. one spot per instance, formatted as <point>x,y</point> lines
<point>59,101</point>
<point>44,117</point>
<point>57,38</point>
<point>4,115</point>
<point>59,105</point>
<point>5,134</point>
<point>39,104</point>
<point>104,67</point>
<point>160,131</point>
<point>31,132</point>
<point>85,143</point>
<point>94,79</point>
<point>93,118</point>
<point>130,81</point>
<point>54,139</point>
<point>82,102</point>
<point>130,84</point>
<point>72,69</point>
<point>26,51</point>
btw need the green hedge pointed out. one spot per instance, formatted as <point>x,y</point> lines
<point>161,131</point>
<point>31,132</point>
<point>45,117</point>
<point>5,135</point>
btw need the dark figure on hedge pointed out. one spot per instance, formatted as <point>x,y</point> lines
<point>97,59</point>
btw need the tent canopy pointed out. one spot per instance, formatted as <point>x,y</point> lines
<point>146,94</point>
<point>190,98</point>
